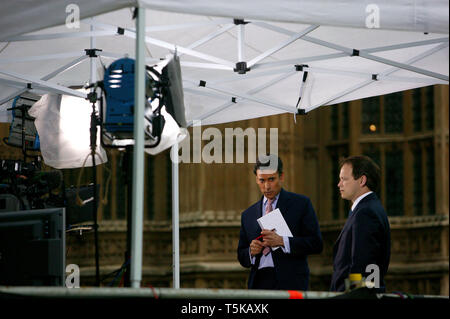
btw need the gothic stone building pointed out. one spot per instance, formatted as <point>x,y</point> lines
<point>406,133</point>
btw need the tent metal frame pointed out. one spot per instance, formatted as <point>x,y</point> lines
<point>98,29</point>
<point>219,63</point>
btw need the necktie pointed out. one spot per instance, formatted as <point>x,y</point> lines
<point>266,250</point>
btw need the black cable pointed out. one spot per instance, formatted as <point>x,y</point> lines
<point>93,135</point>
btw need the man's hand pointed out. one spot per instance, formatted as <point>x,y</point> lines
<point>256,247</point>
<point>271,238</point>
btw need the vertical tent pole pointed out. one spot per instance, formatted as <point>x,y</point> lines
<point>175,219</point>
<point>240,42</point>
<point>137,210</point>
<point>93,74</point>
<point>93,79</point>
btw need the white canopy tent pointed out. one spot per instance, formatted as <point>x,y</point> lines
<point>240,59</point>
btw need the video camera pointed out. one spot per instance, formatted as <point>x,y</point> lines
<point>28,184</point>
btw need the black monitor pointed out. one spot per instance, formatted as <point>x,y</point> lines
<point>174,98</point>
<point>32,247</point>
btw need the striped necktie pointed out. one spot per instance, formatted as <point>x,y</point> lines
<point>269,203</point>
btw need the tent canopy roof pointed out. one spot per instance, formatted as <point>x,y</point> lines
<point>407,15</point>
<point>327,44</point>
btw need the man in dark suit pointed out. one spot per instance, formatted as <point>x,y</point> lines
<point>364,244</point>
<point>287,267</point>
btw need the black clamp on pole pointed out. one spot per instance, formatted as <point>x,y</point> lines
<point>300,67</point>
<point>92,53</point>
<point>239,21</point>
<point>241,67</point>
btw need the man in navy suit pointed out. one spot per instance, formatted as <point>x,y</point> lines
<point>365,238</point>
<point>287,267</point>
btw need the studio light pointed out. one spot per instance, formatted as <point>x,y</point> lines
<point>164,108</point>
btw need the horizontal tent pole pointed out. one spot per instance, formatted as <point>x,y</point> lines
<point>213,66</point>
<point>339,72</point>
<point>282,45</point>
<point>285,108</point>
<point>163,44</point>
<point>340,94</point>
<point>42,57</point>
<point>45,78</point>
<point>381,75</point>
<point>299,60</point>
<point>369,50</point>
<point>113,293</point>
<point>340,55</point>
<point>365,55</point>
<point>252,91</point>
<point>64,68</point>
<point>405,45</point>
<point>190,52</point>
<point>251,75</point>
<point>12,83</point>
<point>62,35</point>
<point>275,28</point>
<point>370,75</point>
<point>214,95</point>
<point>55,87</point>
<point>209,37</point>
<point>184,26</point>
<point>417,58</point>
<point>183,50</point>
<point>403,66</point>
<point>330,45</point>
<point>426,81</point>
<point>243,96</point>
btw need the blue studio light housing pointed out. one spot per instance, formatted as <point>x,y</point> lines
<point>118,83</point>
<point>163,91</point>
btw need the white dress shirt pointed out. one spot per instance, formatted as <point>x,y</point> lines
<point>267,261</point>
<point>359,199</point>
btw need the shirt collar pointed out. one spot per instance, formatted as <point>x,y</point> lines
<point>275,200</point>
<point>359,199</point>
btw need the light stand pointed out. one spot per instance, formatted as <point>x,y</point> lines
<point>92,97</point>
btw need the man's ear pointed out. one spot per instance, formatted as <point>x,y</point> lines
<point>363,181</point>
<point>282,177</point>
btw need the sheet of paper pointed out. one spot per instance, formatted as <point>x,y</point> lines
<point>274,220</point>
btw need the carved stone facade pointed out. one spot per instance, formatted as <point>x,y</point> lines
<point>419,263</point>
<point>412,151</point>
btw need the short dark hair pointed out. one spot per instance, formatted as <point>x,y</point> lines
<point>364,165</point>
<point>268,161</point>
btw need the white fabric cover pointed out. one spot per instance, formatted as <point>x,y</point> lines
<point>63,124</point>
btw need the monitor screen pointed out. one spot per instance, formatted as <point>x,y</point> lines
<point>32,247</point>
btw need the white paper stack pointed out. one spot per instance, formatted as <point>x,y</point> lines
<point>275,221</point>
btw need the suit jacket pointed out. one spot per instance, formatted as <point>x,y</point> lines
<point>291,270</point>
<point>364,240</point>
